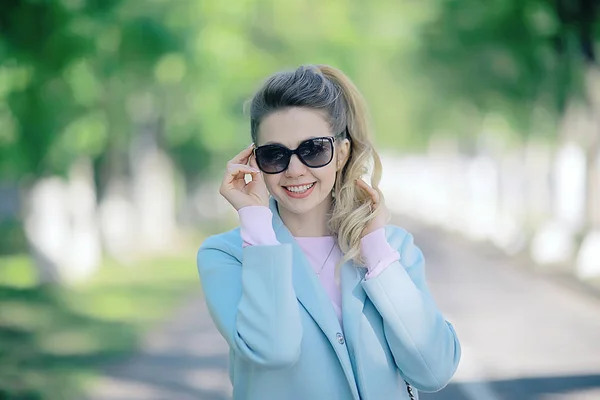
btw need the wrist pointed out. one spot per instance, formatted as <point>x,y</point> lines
<point>239,207</point>
<point>370,230</point>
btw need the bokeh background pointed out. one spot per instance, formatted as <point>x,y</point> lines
<point>116,120</point>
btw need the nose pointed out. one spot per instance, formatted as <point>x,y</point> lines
<point>296,168</point>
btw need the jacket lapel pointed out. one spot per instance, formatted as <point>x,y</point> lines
<point>353,302</point>
<point>312,296</point>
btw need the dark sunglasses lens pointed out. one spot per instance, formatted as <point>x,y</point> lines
<point>316,152</point>
<point>272,159</point>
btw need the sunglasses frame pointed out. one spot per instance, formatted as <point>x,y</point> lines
<point>291,152</point>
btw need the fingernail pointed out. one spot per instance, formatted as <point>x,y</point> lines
<point>251,144</point>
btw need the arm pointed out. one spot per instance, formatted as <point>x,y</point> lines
<point>252,300</point>
<point>425,347</point>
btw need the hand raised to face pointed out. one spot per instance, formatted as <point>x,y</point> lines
<point>234,187</point>
<point>377,205</point>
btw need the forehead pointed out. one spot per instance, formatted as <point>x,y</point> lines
<point>291,126</point>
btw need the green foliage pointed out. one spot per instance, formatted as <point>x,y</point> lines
<point>66,73</point>
<point>91,74</point>
<point>519,59</point>
<point>82,77</point>
<point>38,42</point>
<point>13,237</point>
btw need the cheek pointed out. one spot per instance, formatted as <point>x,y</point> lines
<point>271,181</point>
<point>327,176</point>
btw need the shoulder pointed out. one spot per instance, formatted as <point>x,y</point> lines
<point>226,244</point>
<point>403,241</point>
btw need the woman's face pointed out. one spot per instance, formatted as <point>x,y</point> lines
<point>299,188</point>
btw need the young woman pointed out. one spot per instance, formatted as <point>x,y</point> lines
<point>316,296</point>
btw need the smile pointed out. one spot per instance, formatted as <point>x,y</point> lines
<point>299,188</point>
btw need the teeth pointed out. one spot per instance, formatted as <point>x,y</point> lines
<point>299,189</point>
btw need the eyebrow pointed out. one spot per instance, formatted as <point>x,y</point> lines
<point>304,140</point>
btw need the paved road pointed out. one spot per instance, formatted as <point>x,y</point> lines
<point>525,337</point>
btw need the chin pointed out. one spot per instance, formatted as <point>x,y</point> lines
<point>297,206</point>
<point>300,206</point>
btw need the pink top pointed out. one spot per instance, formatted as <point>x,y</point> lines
<point>257,230</point>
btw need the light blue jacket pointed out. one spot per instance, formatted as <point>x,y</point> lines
<point>286,342</point>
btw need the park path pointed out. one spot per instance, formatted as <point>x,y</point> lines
<point>525,336</point>
<point>186,358</point>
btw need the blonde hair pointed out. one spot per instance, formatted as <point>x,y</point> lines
<point>330,91</point>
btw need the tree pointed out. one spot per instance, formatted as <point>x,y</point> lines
<point>68,73</point>
<point>524,60</point>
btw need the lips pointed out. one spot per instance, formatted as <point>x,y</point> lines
<point>299,188</point>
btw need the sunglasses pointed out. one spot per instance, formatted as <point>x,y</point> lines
<point>314,153</point>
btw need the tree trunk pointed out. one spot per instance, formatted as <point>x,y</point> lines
<point>46,226</point>
<point>593,185</point>
<point>153,192</point>
<point>61,227</point>
<point>593,149</point>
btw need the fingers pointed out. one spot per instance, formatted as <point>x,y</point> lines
<point>235,169</point>
<point>238,171</point>
<point>242,156</point>
<point>372,192</point>
<point>254,165</point>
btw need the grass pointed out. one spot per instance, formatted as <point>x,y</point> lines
<point>54,340</point>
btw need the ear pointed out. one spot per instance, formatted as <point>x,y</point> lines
<point>343,152</point>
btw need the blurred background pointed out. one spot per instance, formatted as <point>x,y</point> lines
<point>116,120</point>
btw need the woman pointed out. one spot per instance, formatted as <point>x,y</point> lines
<point>316,296</point>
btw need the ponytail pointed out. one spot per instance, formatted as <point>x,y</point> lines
<point>351,211</point>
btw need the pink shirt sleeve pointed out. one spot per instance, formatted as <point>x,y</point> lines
<point>256,226</point>
<point>377,253</point>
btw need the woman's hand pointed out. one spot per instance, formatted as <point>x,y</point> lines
<point>378,206</point>
<point>235,189</point>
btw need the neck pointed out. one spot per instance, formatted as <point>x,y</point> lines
<point>310,224</point>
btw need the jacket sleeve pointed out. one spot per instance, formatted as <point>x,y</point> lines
<point>424,345</point>
<point>252,301</point>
